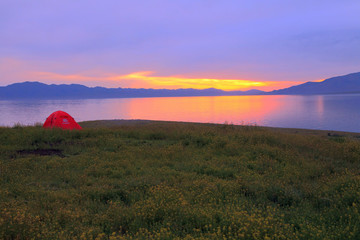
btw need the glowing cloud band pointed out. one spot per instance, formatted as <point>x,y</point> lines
<point>146,79</point>
<point>200,83</point>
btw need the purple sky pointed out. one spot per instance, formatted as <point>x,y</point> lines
<point>95,42</point>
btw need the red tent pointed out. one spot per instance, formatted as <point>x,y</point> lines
<point>60,119</point>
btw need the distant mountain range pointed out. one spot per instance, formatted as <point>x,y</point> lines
<point>39,90</point>
<point>343,84</point>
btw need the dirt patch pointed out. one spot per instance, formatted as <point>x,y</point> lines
<point>41,152</point>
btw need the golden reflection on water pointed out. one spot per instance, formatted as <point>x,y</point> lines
<point>327,112</point>
<point>320,106</point>
<point>231,109</point>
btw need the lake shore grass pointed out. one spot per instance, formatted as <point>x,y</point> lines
<point>138,179</point>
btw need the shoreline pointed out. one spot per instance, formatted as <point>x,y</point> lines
<point>113,123</point>
<point>135,122</point>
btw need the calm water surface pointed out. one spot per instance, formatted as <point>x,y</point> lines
<point>327,112</point>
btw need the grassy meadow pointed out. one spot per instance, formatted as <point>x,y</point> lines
<point>166,180</point>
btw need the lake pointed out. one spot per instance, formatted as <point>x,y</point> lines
<point>326,112</point>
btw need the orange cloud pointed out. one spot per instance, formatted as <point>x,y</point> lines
<point>200,83</point>
<point>146,79</point>
<point>318,80</point>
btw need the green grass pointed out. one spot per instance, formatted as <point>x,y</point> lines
<point>163,180</point>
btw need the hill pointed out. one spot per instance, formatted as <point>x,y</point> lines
<point>337,85</point>
<point>342,84</point>
<point>53,91</point>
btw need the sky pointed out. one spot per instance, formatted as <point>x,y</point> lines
<point>228,44</point>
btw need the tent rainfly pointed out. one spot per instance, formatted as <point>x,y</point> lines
<point>60,119</point>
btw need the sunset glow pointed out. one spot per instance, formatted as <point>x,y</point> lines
<point>232,109</point>
<point>231,45</point>
<point>148,79</point>
<point>318,80</point>
<point>199,83</point>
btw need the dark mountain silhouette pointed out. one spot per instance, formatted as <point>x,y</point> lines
<point>342,84</point>
<point>43,91</point>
